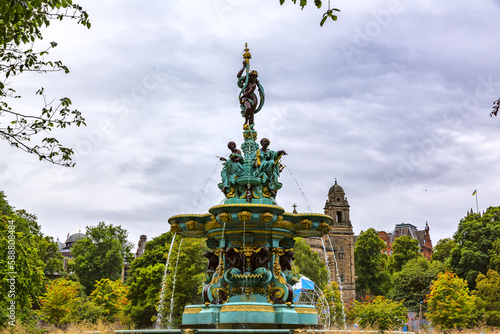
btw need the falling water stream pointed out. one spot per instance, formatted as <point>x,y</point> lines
<point>163,283</point>
<point>300,189</point>
<point>173,286</point>
<point>326,262</point>
<point>338,278</point>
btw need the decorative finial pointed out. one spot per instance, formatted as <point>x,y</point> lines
<point>247,54</point>
<point>335,180</point>
<point>294,208</point>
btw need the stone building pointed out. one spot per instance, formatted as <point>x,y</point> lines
<point>423,237</point>
<point>339,243</point>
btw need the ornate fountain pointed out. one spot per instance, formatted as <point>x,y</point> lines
<point>249,279</point>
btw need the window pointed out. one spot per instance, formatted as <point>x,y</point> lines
<point>339,216</point>
<point>341,278</point>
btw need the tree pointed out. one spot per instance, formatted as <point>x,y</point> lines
<point>496,107</point>
<point>21,266</point>
<point>370,264</point>
<point>380,313</point>
<point>51,256</point>
<point>488,297</point>
<point>412,284</point>
<point>21,31</point>
<point>61,303</point>
<point>474,240</point>
<point>494,254</point>
<point>110,297</point>
<point>309,264</point>
<point>404,249</point>
<point>450,305</point>
<point>184,286</point>
<point>442,250</point>
<point>144,282</point>
<point>146,273</point>
<point>101,254</point>
<point>318,3</point>
<point>334,299</point>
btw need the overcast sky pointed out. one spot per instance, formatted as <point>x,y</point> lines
<point>393,100</point>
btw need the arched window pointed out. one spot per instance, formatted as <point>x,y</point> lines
<point>339,216</point>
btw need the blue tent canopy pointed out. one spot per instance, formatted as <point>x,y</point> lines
<point>303,285</point>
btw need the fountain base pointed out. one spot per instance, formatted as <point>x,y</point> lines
<point>244,315</point>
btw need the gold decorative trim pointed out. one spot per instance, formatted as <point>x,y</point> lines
<point>305,310</point>
<point>225,217</point>
<point>244,216</point>
<point>284,224</point>
<point>231,192</point>
<point>192,225</point>
<point>266,217</point>
<point>213,224</point>
<point>192,310</point>
<point>305,224</point>
<point>250,205</point>
<point>189,215</point>
<point>175,228</point>
<point>246,308</point>
<point>263,231</point>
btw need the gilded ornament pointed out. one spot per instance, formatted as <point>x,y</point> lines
<point>266,217</point>
<point>225,217</point>
<point>244,216</point>
<point>274,292</point>
<point>246,308</point>
<point>305,224</point>
<point>192,310</point>
<point>283,224</point>
<point>306,310</point>
<point>324,228</point>
<point>175,228</point>
<point>192,225</point>
<point>250,134</point>
<point>231,192</point>
<point>188,331</point>
<point>212,224</point>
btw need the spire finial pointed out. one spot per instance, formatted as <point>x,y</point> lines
<point>335,180</point>
<point>247,54</point>
<point>294,208</point>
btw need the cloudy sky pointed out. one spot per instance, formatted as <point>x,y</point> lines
<point>393,100</point>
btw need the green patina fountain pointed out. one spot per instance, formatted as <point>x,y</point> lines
<point>249,280</point>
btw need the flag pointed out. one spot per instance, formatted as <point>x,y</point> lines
<point>475,192</point>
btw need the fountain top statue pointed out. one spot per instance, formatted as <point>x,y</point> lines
<point>249,103</point>
<point>249,278</point>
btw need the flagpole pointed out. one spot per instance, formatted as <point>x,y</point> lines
<point>477,206</point>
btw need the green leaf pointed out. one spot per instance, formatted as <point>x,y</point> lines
<point>323,20</point>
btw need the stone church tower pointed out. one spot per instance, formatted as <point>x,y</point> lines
<point>342,240</point>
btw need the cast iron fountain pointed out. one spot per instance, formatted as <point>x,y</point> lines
<point>249,280</point>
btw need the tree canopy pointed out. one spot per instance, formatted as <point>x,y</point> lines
<point>309,264</point>
<point>101,254</point>
<point>370,264</point>
<point>146,273</point>
<point>442,250</point>
<point>450,305</point>
<point>378,313</point>
<point>474,240</point>
<point>412,283</point>
<point>22,51</point>
<point>24,261</point>
<point>404,249</point>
